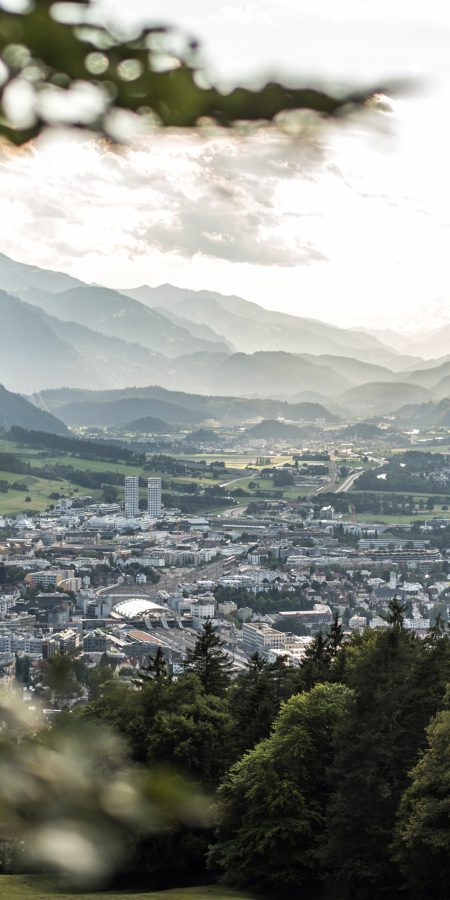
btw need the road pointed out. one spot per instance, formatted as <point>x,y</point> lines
<point>349,481</point>
<point>234,511</point>
<point>241,478</point>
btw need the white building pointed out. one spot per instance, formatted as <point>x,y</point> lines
<point>259,636</point>
<point>132,495</point>
<point>154,497</point>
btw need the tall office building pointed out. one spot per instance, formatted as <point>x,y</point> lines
<point>131,495</point>
<point>154,497</point>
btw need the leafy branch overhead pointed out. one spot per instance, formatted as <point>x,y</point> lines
<point>63,66</point>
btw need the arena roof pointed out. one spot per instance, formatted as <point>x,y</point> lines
<point>135,606</point>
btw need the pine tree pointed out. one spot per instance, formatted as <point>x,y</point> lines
<point>396,613</point>
<point>256,698</point>
<point>209,661</point>
<point>422,838</point>
<point>315,665</point>
<point>156,668</point>
<point>369,771</point>
<point>335,636</point>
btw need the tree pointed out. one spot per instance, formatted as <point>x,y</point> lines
<point>335,635</point>
<point>316,663</point>
<point>283,479</point>
<point>156,668</point>
<point>209,661</point>
<point>396,613</point>
<point>256,697</point>
<point>273,803</point>
<point>369,772</point>
<point>422,835</point>
<point>122,71</point>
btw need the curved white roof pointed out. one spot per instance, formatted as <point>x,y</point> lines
<point>133,606</point>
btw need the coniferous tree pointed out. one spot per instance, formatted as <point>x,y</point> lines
<point>369,772</point>
<point>256,698</point>
<point>156,668</point>
<point>335,636</point>
<point>315,665</point>
<point>209,661</point>
<point>396,614</point>
<point>422,837</point>
<point>426,693</point>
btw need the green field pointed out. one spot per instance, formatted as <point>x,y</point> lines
<point>32,887</point>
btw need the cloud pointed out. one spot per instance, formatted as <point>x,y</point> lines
<point>218,197</point>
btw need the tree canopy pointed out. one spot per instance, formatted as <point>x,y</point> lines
<point>67,64</point>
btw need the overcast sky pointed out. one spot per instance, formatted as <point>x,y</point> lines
<point>355,232</point>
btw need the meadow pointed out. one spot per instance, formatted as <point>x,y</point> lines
<point>33,887</point>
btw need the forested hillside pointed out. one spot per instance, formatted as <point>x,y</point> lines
<point>331,777</point>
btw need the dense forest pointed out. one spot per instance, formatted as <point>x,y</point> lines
<point>409,472</point>
<point>330,777</point>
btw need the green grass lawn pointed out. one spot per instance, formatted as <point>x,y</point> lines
<point>33,887</point>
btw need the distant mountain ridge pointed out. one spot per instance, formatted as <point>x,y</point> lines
<point>81,407</point>
<point>251,327</point>
<point>58,331</point>
<point>16,410</point>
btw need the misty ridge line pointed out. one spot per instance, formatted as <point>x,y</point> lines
<point>69,334</point>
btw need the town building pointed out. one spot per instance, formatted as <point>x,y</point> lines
<point>132,495</point>
<point>257,636</point>
<point>154,497</point>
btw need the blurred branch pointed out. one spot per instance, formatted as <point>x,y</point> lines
<point>61,66</point>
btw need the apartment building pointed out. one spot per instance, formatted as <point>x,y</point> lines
<point>131,495</point>
<point>96,642</point>
<point>154,497</point>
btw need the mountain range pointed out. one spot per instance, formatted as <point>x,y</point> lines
<point>59,332</point>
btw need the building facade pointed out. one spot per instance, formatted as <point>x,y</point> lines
<point>131,495</point>
<point>154,497</point>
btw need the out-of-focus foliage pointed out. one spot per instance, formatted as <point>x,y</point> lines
<point>64,64</point>
<point>78,803</point>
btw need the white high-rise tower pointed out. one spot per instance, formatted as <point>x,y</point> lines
<point>154,497</point>
<point>131,495</point>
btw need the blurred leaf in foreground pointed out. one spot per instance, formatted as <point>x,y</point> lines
<point>77,802</point>
<point>64,64</point>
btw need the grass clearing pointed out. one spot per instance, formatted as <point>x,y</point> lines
<point>33,887</point>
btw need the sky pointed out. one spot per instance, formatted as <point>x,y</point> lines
<point>348,223</point>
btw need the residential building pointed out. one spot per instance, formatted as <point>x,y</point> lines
<point>132,495</point>
<point>154,497</point>
<point>261,637</point>
<point>96,642</point>
<point>320,615</point>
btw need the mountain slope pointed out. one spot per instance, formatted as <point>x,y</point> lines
<point>381,398</point>
<point>118,412</point>
<point>429,377</point>
<point>272,372</point>
<point>113,314</point>
<point>435,345</point>
<point>31,353</point>
<point>15,410</point>
<point>19,276</point>
<point>147,425</point>
<point>201,331</point>
<point>224,408</point>
<point>354,370</point>
<point>389,338</point>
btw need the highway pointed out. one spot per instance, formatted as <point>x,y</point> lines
<point>349,481</point>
